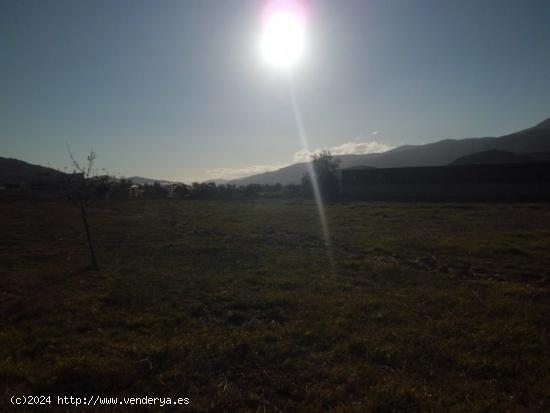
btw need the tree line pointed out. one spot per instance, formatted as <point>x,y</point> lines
<point>323,166</point>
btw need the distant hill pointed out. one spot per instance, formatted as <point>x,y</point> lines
<point>545,124</point>
<point>361,167</point>
<point>500,157</point>
<point>217,181</point>
<point>288,175</point>
<point>293,174</point>
<point>14,171</point>
<point>529,145</point>
<point>139,180</point>
<point>530,141</point>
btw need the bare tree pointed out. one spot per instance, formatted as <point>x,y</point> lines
<point>81,190</point>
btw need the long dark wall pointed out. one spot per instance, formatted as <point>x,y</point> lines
<point>513,182</point>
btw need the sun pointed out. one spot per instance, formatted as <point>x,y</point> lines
<point>282,41</point>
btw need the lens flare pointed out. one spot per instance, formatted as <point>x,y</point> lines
<point>282,45</point>
<point>282,40</point>
<point>311,171</point>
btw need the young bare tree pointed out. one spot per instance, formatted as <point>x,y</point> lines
<point>81,189</point>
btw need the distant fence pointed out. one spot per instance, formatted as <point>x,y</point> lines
<point>510,182</point>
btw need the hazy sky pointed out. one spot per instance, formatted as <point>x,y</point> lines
<point>177,89</point>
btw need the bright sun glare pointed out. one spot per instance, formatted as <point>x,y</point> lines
<point>283,33</point>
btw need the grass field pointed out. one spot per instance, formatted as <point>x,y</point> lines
<point>237,305</point>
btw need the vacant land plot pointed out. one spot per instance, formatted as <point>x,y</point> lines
<point>238,306</point>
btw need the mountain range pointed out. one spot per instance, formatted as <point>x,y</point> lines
<point>501,157</point>
<point>528,145</point>
<point>16,171</point>
<point>533,142</point>
<point>139,180</point>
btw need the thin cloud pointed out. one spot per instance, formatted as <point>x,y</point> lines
<point>348,148</point>
<point>236,173</point>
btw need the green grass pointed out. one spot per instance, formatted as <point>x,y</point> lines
<point>237,306</point>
